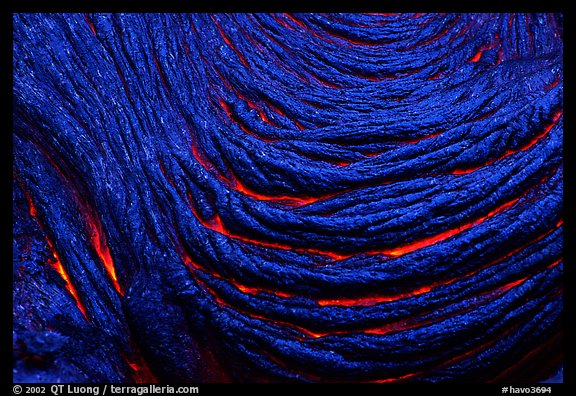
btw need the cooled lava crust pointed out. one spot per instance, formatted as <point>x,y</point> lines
<point>287,197</point>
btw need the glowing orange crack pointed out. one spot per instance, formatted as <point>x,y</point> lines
<point>57,265</point>
<point>217,225</point>
<point>99,243</point>
<point>229,43</point>
<point>535,140</point>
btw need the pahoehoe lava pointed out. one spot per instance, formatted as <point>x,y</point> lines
<point>287,197</point>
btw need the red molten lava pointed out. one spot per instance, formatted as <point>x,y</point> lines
<point>373,300</point>
<point>419,139</point>
<point>436,75</point>
<point>57,265</point>
<point>528,145</point>
<point>99,242</point>
<point>483,116</point>
<point>157,64</point>
<point>481,50</point>
<point>141,374</point>
<point>252,315</point>
<point>231,116</point>
<point>377,299</point>
<point>229,43</point>
<point>292,201</point>
<point>446,234</point>
<point>255,290</point>
<point>90,24</point>
<point>296,21</point>
<point>166,176</point>
<point>260,112</point>
<point>215,224</point>
<point>55,262</point>
<point>397,379</point>
<point>553,84</point>
<point>123,80</point>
